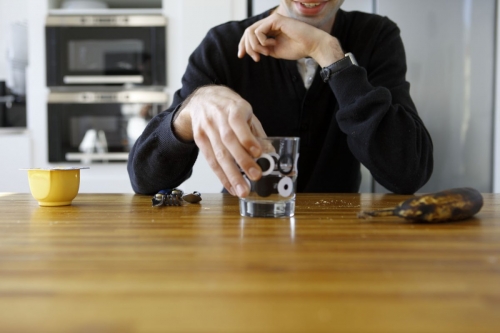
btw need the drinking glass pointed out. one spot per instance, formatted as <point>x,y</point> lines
<point>273,195</point>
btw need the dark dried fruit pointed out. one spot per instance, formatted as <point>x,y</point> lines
<point>449,205</point>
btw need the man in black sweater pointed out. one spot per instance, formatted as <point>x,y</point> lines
<point>307,68</point>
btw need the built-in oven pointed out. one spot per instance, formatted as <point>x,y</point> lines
<point>98,126</point>
<point>106,50</point>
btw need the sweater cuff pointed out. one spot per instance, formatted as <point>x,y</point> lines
<point>169,137</point>
<point>349,85</point>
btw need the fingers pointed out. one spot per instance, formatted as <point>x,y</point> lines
<point>241,47</point>
<point>240,138</point>
<point>250,50</point>
<point>240,158</point>
<point>255,41</point>
<point>222,163</point>
<point>224,129</point>
<point>262,32</point>
<point>256,128</point>
<point>225,156</point>
<point>250,45</point>
<point>205,147</point>
<point>241,125</point>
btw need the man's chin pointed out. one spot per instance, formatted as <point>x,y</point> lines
<point>319,21</point>
<point>311,20</point>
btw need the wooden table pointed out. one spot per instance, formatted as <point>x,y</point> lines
<point>113,263</point>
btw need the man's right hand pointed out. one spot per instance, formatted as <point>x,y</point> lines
<point>225,130</point>
<point>283,37</point>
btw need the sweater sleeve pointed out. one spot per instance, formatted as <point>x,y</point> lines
<point>379,118</point>
<point>159,160</point>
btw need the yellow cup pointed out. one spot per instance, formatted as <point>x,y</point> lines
<point>54,187</point>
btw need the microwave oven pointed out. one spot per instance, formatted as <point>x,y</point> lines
<point>98,126</point>
<point>84,50</point>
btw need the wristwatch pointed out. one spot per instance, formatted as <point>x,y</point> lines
<point>348,60</point>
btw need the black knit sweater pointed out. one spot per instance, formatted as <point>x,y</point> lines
<point>363,114</point>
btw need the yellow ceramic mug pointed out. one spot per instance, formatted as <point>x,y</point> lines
<point>54,187</point>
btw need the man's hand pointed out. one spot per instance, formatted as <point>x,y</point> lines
<point>225,129</point>
<point>286,38</point>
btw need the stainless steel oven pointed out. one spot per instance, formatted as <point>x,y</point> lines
<point>106,50</point>
<point>98,126</point>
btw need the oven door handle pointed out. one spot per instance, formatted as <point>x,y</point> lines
<point>96,157</point>
<point>100,79</point>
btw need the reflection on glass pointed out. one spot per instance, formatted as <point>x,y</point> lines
<point>137,121</point>
<point>291,222</point>
<point>292,229</point>
<point>109,125</point>
<point>110,56</point>
<point>116,130</point>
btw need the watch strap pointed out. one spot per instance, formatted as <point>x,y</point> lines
<point>327,72</point>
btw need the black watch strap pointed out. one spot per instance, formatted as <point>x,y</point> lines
<point>327,72</point>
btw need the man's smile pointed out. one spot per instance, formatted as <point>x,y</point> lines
<point>309,8</point>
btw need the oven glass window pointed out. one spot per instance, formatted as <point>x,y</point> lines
<point>108,128</point>
<point>106,56</point>
<point>96,128</point>
<point>113,130</point>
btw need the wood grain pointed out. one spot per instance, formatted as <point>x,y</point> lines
<point>113,263</point>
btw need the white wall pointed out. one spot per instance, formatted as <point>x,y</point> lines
<point>15,145</point>
<point>259,6</point>
<point>10,11</point>
<point>36,91</point>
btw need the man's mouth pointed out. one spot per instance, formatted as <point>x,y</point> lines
<point>304,8</point>
<point>310,4</point>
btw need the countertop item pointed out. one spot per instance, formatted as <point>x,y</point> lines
<point>55,186</point>
<point>113,263</point>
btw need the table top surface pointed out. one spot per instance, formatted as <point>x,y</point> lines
<point>114,263</point>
